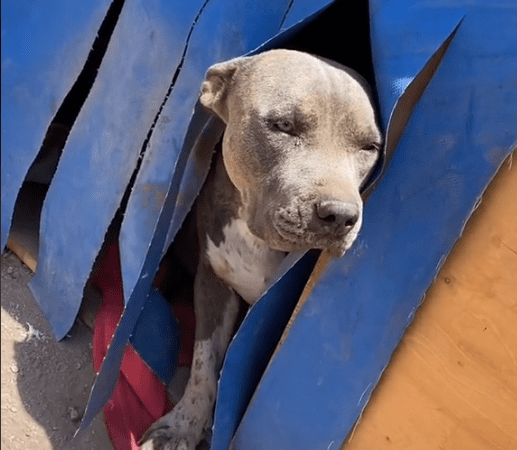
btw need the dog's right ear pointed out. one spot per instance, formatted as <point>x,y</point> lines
<point>217,84</point>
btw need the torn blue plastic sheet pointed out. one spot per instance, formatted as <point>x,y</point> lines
<point>459,133</point>
<point>453,88</point>
<point>43,53</point>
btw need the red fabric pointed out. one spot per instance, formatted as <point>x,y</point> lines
<point>139,398</point>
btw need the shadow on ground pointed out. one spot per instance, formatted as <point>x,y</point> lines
<point>45,383</point>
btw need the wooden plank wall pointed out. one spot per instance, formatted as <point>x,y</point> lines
<point>452,383</point>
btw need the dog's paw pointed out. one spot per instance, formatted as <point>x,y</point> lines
<point>163,437</point>
<point>183,428</point>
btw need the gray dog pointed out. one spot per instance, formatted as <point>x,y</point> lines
<point>301,139</point>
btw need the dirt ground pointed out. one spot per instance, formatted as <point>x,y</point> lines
<point>45,383</point>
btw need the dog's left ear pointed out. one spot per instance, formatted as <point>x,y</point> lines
<point>217,84</point>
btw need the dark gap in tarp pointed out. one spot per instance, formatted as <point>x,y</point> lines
<point>340,33</point>
<point>41,171</point>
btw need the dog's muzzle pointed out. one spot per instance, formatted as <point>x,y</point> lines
<point>328,224</point>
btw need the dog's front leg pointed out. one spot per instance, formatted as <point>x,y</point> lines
<point>216,312</point>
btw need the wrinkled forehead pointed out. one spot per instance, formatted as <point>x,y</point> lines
<point>306,84</point>
<point>307,87</point>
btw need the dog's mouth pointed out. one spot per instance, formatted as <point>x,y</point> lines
<point>299,233</point>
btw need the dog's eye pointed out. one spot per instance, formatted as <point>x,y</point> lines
<point>371,147</point>
<point>285,126</point>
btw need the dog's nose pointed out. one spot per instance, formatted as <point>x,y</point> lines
<point>337,214</point>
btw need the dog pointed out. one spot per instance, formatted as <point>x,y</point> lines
<point>301,139</point>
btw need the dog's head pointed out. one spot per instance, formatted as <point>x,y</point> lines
<point>301,139</point>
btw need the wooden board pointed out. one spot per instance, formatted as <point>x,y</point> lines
<point>452,383</point>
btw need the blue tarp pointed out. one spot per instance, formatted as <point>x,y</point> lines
<point>44,48</point>
<point>446,78</point>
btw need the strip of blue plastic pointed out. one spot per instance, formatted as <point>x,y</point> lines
<point>156,337</point>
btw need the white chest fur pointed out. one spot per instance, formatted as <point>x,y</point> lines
<point>244,261</point>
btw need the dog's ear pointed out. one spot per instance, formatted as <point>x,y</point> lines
<point>218,83</point>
